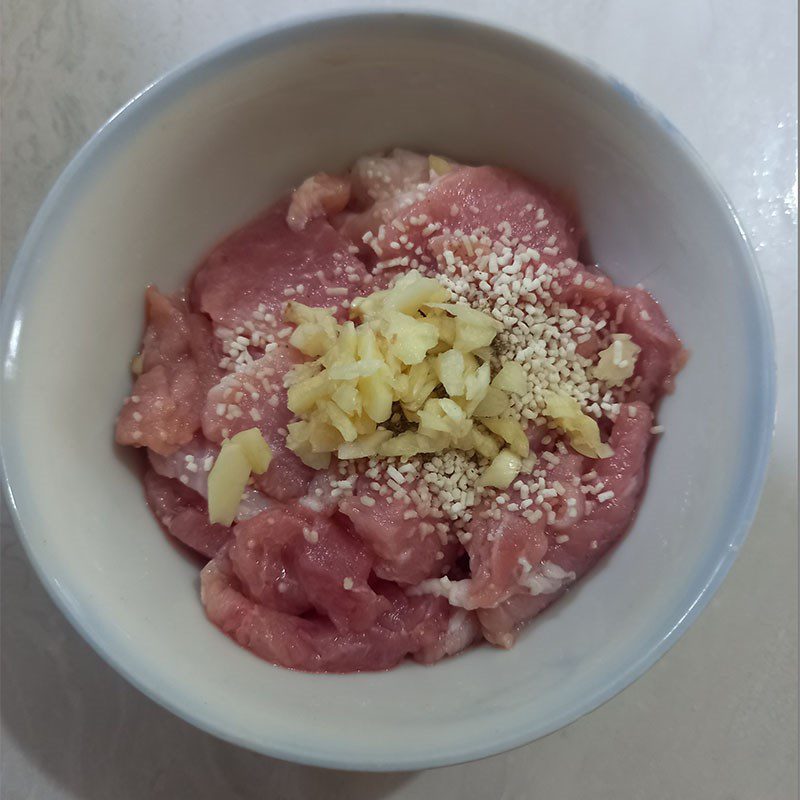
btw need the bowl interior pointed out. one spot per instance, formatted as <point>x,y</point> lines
<point>199,155</point>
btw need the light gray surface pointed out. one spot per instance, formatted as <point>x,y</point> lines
<point>717,717</point>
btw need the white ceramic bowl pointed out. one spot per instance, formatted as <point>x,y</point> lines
<point>206,147</point>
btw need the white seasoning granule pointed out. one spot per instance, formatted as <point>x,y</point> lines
<point>395,474</point>
<point>347,583</point>
<point>368,501</point>
<point>426,528</point>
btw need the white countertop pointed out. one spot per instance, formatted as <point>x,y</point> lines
<point>717,716</point>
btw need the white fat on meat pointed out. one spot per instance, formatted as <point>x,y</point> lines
<point>547,578</point>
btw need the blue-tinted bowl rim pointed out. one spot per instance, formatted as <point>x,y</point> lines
<point>148,102</point>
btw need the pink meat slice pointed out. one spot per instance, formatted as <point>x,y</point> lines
<point>497,549</point>
<point>475,193</point>
<point>258,558</point>
<point>178,366</point>
<point>585,285</point>
<point>328,566</point>
<point>174,333</point>
<point>184,514</point>
<point>254,397</point>
<point>382,187</point>
<point>500,625</point>
<point>463,628</point>
<point>623,473</point>
<point>163,412</point>
<point>423,620</point>
<point>261,262</point>
<point>320,496</point>
<point>199,452</point>
<point>406,550</point>
<point>568,468</point>
<point>206,349</point>
<point>470,198</point>
<point>375,178</point>
<point>662,354</point>
<point>593,534</point>
<point>313,643</point>
<point>635,312</point>
<point>321,195</point>
<point>291,559</point>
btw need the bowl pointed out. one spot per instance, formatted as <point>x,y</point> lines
<point>202,150</point>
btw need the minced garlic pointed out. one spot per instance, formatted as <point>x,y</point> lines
<point>409,346</point>
<point>255,448</point>
<point>246,452</point>
<point>502,471</point>
<point>617,362</point>
<point>582,431</point>
<point>226,483</point>
<point>439,165</point>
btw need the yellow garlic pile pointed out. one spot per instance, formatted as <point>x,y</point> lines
<point>409,374</point>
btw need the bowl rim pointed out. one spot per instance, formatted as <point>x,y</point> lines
<point>25,269</point>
